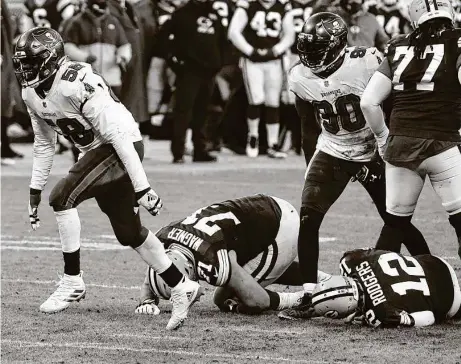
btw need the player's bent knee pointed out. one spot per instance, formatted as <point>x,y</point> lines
<point>254,112</point>
<point>133,237</point>
<point>62,197</point>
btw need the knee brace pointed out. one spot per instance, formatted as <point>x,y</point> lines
<point>254,112</point>
<point>271,115</point>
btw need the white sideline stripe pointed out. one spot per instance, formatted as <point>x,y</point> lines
<point>98,346</point>
<point>164,337</point>
<point>6,280</point>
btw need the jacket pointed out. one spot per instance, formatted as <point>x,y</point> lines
<point>102,37</point>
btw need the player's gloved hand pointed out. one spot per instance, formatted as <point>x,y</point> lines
<point>381,140</point>
<point>90,59</point>
<point>148,307</point>
<point>355,319</point>
<point>34,200</point>
<point>150,201</point>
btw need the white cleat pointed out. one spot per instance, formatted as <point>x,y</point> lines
<point>252,149</point>
<point>70,289</point>
<point>276,153</point>
<point>183,297</point>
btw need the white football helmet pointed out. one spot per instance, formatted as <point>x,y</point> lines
<point>420,11</point>
<point>336,297</point>
<point>184,260</point>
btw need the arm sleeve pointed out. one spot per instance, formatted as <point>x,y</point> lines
<point>405,319</point>
<point>236,26</point>
<point>288,37</point>
<point>110,118</point>
<point>43,152</point>
<point>309,128</point>
<point>378,89</point>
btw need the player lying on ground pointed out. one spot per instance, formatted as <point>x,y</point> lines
<point>386,289</point>
<point>69,98</point>
<point>240,246</point>
<point>338,145</point>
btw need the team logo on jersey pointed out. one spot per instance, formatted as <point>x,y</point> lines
<point>88,87</point>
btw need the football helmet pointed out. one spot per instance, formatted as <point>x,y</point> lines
<point>336,297</point>
<point>322,41</point>
<point>420,11</point>
<point>184,260</point>
<point>37,56</point>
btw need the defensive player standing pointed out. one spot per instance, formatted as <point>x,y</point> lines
<point>386,289</point>
<point>240,246</point>
<point>262,30</point>
<point>328,84</point>
<point>68,98</point>
<point>422,73</point>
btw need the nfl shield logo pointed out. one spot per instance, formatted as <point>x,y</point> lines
<point>44,104</point>
<point>326,83</point>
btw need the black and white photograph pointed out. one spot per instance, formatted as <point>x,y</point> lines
<point>230,181</point>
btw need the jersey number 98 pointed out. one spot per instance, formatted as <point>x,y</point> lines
<point>348,111</point>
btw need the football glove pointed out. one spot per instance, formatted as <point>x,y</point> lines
<point>150,201</point>
<point>148,307</point>
<point>34,200</point>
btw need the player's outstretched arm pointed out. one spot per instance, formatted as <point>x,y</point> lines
<point>378,89</point>
<point>43,153</point>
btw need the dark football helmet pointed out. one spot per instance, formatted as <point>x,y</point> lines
<point>322,41</point>
<point>37,56</point>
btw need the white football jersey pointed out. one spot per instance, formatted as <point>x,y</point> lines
<point>74,103</point>
<point>80,106</point>
<point>336,100</point>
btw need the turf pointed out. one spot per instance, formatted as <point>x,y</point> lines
<point>104,329</point>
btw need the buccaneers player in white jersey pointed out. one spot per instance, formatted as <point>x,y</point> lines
<point>70,99</point>
<point>422,73</point>
<point>338,145</point>
<point>262,30</point>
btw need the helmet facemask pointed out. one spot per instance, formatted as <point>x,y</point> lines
<point>319,55</point>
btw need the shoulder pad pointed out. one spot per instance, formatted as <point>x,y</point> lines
<point>72,78</point>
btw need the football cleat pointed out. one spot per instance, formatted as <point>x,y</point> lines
<point>275,152</point>
<point>252,149</point>
<point>183,297</point>
<point>304,311</point>
<point>70,289</point>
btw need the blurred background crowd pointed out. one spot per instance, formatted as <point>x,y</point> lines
<point>176,86</point>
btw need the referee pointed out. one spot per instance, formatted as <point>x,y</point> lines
<point>194,40</point>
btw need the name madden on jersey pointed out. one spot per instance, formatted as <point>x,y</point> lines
<point>336,100</point>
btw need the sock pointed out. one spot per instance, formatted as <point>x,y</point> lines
<point>272,134</point>
<point>153,253</point>
<point>414,241</point>
<point>253,127</point>
<point>69,231</point>
<point>274,299</point>
<point>290,299</point>
<point>72,263</point>
<point>308,287</point>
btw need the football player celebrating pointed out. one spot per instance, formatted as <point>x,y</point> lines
<point>328,83</point>
<point>70,99</point>
<point>422,73</point>
<point>385,289</point>
<point>239,246</point>
<point>262,30</point>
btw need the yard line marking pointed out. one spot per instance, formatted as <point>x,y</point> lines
<point>99,346</point>
<point>11,243</point>
<point>6,280</point>
<point>135,336</point>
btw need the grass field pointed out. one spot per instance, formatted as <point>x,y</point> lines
<point>104,329</point>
